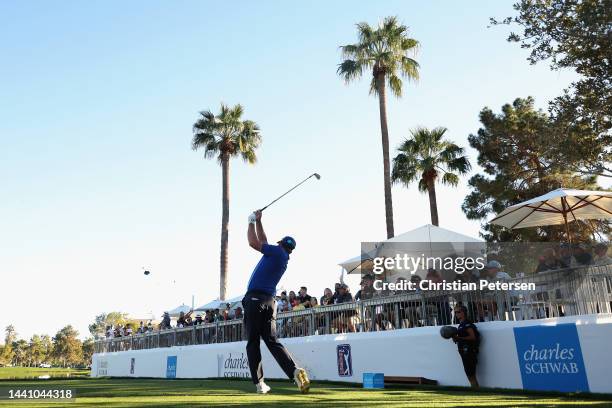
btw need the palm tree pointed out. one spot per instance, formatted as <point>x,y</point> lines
<point>426,156</point>
<point>225,136</point>
<point>385,50</point>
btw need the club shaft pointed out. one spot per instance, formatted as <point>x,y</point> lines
<point>296,186</point>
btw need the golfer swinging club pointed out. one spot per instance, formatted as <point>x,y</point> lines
<point>260,307</point>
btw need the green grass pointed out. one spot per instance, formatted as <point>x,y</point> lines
<point>35,372</point>
<point>127,392</point>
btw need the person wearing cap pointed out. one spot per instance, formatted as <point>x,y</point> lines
<point>601,254</point>
<point>496,305</point>
<point>260,307</point>
<point>494,272</point>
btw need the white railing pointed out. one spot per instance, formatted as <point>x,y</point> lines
<point>564,292</point>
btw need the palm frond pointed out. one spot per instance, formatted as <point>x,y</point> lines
<point>450,179</point>
<point>395,84</point>
<point>387,48</point>
<point>226,134</point>
<point>349,70</point>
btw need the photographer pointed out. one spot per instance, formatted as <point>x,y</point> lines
<point>468,341</point>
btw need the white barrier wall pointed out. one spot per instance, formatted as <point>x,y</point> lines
<point>564,354</point>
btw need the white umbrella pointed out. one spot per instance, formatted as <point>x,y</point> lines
<point>216,304</point>
<point>558,207</point>
<point>177,310</point>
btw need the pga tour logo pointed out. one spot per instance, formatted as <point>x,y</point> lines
<point>345,360</point>
<point>550,358</point>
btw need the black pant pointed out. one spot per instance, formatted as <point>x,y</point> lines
<point>260,322</point>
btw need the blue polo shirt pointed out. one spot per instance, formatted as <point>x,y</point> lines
<point>269,270</point>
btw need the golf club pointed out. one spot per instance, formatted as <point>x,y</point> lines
<point>318,177</point>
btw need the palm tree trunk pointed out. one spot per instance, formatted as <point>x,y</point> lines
<point>224,226</point>
<point>382,105</point>
<point>433,204</point>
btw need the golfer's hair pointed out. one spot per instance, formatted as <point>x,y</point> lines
<point>463,308</point>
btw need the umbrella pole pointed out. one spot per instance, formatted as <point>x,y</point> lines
<point>567,231</point>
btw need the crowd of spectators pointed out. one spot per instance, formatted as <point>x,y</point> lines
<point>561,257</point>
<point>570,256</point>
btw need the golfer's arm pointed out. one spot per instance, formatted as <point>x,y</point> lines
<point>260,233</point>
<point>252,237</point>
<point>471,335</point>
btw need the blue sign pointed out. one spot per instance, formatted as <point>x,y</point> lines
<point>345,360</point>
<point>550,358</point>
<point>171,367</point>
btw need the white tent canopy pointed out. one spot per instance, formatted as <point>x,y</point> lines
<point>425,234</point>
<point>557,207</point>
<point>216,304</point>
<point>177,310</point>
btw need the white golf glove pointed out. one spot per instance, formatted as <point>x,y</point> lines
<point>252,218</point>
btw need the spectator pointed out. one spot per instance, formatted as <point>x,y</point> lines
<point>327,298</point>
<point>299,305</point>
<point>150,327</point>
<point>293,300</point>
<point>282,305</point>
<point>493,272</point>
<point>238,313</point>
<point>440,303</point>
<point>198,320</point>
<point>467,340</point>
<point>165,323</point>
<point>336,292</point>
<point>141,328</point>
<point>565,256</point>
<point>128,330</point>
<point>582,255</point>
<point>466,277</point>
<point>344,294</point>
<point>313,302</point>
<point>110,332</point>
<point>225,314</point>
<point>549,261</point>
<point>304,297</point>
<point>208,317</point>
<point>181,321</point>
<point>601,254</point>
<point>367,290</point>
<point>346,319</point>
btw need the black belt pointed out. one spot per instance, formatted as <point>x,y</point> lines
<point>265,296</point>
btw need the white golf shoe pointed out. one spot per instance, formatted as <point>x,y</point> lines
<point>262,388</point>
<point>301,379</point>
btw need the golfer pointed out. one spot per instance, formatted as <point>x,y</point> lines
<point>260,307</point>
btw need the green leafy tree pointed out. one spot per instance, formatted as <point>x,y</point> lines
<point>10,336</point>
<point>427,157</point>
<point>20,352</point>
<point>225,136</point>
<point>67,348</point>
<point>36,350</point>
<point>47,346</point>
<point>516,150</point>
<point>574,34</point>
<point>88,350</point>
<point>384,51</point>
<point>101,321</point>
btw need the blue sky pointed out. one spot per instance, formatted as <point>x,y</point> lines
<point>98,178</point>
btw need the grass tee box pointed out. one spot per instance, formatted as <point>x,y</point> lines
<point>132,392</point>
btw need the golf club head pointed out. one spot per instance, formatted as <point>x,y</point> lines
<point>317,175</point>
